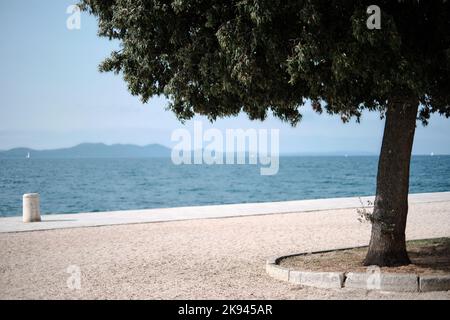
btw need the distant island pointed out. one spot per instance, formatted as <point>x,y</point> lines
<point>91,150</point>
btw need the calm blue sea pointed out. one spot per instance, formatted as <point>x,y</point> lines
<point>89,185</point>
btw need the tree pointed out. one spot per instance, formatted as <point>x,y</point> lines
<point>220,58</point>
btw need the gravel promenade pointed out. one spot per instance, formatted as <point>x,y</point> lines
<point>194,259</point>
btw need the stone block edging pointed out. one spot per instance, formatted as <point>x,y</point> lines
<point>397,282</point>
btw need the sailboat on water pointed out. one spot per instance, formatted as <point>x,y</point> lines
<point>28,155</point>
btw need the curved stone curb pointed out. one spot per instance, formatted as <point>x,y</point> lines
<point>371,280</point>
<point>317,279</point>
<point>434,283</point>
<point>383,281</point>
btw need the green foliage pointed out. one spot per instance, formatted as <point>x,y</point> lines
<point>218,58</point>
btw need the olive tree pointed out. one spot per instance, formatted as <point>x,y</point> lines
<point>222,58</point>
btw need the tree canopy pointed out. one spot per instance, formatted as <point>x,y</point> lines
<point>218,58</point>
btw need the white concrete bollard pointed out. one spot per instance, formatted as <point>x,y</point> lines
<point>31,211</point>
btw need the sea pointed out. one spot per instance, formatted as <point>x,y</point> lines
<point>95,185</point>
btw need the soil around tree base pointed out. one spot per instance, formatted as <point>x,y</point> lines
<point>431,256</point>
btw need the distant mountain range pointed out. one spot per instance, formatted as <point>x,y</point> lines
<point>92,150</point>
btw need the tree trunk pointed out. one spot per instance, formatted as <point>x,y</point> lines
<point>387,243</point>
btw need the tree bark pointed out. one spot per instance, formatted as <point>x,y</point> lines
<point>387,243</point>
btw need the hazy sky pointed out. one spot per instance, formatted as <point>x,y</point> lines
<point>52,95</point>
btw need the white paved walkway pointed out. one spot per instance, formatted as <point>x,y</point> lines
<point>60,221</point>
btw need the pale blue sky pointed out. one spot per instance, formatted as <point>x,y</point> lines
<point>51,95</point>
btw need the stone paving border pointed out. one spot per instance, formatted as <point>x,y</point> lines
<point>397,282</point>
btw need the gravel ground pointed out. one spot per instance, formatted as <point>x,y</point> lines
<point>197,259</point>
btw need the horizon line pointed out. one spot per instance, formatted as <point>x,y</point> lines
<point>285,153</point>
